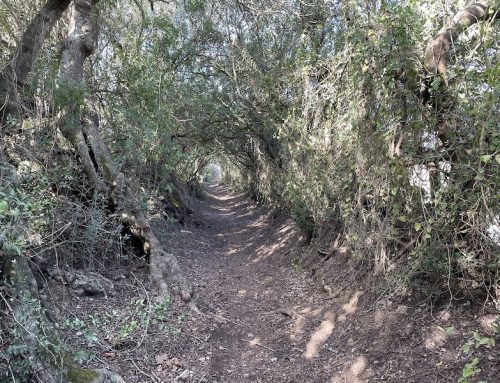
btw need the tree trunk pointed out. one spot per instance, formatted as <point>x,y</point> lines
<point>14,76</point>
<point>439,48</point>
<point>437,56</point>
<point>83,133</point>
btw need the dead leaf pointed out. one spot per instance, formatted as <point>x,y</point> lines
<point>162,358</point>
<point>166,361</point>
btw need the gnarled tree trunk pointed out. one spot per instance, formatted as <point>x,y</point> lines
<point>83,132</point>
<point>14,76</point>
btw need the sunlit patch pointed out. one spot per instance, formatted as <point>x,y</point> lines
<point>435,339</point>
<point>358,366</point>
<point>234,251</point>
<point>267,251</point>
<point>309,312</point>
<point>298,329</point>
<point>355,372</point>
<point>320,336</point>
<point>255,341</point>
<point>285,229</point>
<point>350,307</point>
<point>306,311</point>
<point>297,325</point>
<point>242,231</point>
<point>379,317</point>
<point>489,323</point>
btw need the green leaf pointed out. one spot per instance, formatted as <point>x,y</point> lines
<point>470,368</point>
<point>466,347</point>
<point>418,226</point>
<point>13,248</point>
<point>486,158</point>
<point>15,213</point>
<point>4,206</point>
<point>447,330</point>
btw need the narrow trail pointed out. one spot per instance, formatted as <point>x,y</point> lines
<point>231,258</point>
<point>264,321</point>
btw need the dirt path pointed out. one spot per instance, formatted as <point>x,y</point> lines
<point>261,318</point>
<point>258,337</point>
<point>279,327</point>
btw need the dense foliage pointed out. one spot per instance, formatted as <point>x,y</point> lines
<point>324,108</point>
<point>327,109</point>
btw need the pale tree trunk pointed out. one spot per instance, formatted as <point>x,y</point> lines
<point>436,58</point>
<point>439,49</point>
<point>14,76</point>
<point>83,132</point>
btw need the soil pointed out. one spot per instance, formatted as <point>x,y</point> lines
<point>260,318</point>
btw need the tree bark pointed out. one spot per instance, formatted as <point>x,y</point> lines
<point>83,133</point>
<point>14,76</point>
<point>437,55</point>
<point>439,49</point>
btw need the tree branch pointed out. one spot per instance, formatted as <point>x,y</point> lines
<point>439,49</point>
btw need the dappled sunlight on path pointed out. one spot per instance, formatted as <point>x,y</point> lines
<point>320,336</point>
<point>264,320</point>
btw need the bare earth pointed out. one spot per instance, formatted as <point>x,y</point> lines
<point>261,319</point>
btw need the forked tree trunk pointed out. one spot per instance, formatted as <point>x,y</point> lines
<point>83,133</point>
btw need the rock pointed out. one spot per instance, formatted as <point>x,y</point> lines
<point>184,376</point>
<point>84,283</point>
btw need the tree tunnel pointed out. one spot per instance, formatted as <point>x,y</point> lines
<point>326,109</point>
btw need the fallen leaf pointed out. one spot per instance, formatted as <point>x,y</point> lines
<point>162,358</point>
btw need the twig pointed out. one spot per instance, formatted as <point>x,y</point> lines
<point>220,318</point>
<point>291,313</point>
<point>203,377</point>
<point>144,373</point>
<point>258,344</point>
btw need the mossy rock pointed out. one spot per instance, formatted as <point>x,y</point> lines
<point>80,375</point>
